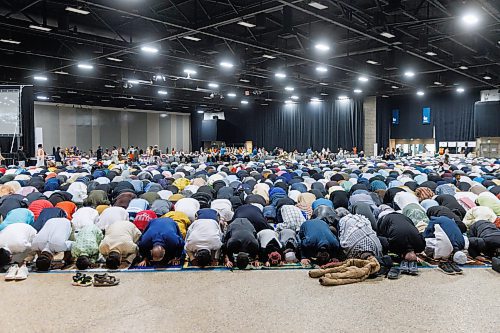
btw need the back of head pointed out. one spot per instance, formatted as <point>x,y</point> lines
<point>82,262</point>
<point>242,260</point>
<point>5,257</point>
<point>113,260</point>
<point>158,252</point>
<point>203,257</point>
<point>43,262</point>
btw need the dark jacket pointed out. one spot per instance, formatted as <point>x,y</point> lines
<point>315,235</point>
<point>438,211</point>
<point>398,234</point>
<point>164,232</point>
<point>451,202</point>
<point>484,237</point>
<point>47,214</point>
<point>254,215</point>
<point>450,228</point>
<point>240,236</point>
<point>339,199</point>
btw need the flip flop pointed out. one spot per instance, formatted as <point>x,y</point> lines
<point>105,280</point>
<point>394,273</point>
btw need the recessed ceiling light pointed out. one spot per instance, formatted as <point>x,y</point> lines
<point>194,39</point>
<point>109,86</point>
<point>362,79</point>
<point>394,87</point>
<point>430,53</point>
<point>437,83</point>
<point>317,5</point>
<point>40,78</point>
<point>343,97</point>
<point>288,88</point>
<point>470,19</point>
<point>487,77</point>
<point>189,71</point>
<point>149,49</point>
<point>42,98</point>
<point>295,97</point>
<point>226,64</point>
<point>322,69</point>
<point>268,56</point>
<point>323,83</point>
<point>10,41</point>
<point>246,24</point>
<point>387,34</point>
<point>409,74</point>
<point>213,85</point>
<point>358,91</point>
<point>372,62</point>
<point>40,27</point>
<point>85,66</point>
<point>315,100</point>
<point>244,102</point>
<point>385,96</point>
<point>77,10</point>
<point>420,93</point>
<point>231,95</point>
<point>200,111</point>
<point>322,47</point>
<point>162,92</point>
<point>280,75</point>
<point>463,67</point>
<point>288,101</point>
<point>323,94</point>
<point>244,80</point>
<point>460,90</point>
<point>114,59</point>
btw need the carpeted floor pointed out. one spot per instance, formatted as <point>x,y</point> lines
<point>264,301</point>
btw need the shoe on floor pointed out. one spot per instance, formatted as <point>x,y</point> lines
<point>446,268</point>
<point>456,268</point>
<point>11,273</point>
<point>22,273</point>
<point>404,267</point>
<point>413,268</point>
<point>394,273</point>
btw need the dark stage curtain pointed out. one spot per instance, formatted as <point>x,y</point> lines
<point>487,119</point>
<point>299,126</point>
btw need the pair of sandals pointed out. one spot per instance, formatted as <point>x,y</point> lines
<point>405,267</point>
<point>99,280</point>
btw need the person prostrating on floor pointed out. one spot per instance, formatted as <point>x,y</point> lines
<point>120,244</point>
<point>317,243</point>
<point>271,250</point>
<point>53,238</point>
<point>86,246</point>
<point>161,244</point>
<point>484,239</point>
<point>15,246</point>
<point>240,244</point>
<point>204,238</point>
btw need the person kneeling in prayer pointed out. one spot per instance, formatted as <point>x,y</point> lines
<point>317,243</point>
<point>240,244</point>
<point>86,246</point>
<point>53,238</point>
<point>204,238</point>
<point>120,244</point>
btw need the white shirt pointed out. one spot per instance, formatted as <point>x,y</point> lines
<point>17,237</point>
<point>111,215</point>
<point>203,234</point>
<point>267,235</point>
<point>188,206</point>
<point>54,236</point>
<point>83,217</point>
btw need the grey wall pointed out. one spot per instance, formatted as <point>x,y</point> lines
<point>86,127</point>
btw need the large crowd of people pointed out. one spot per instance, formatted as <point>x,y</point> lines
<point>351,215</point>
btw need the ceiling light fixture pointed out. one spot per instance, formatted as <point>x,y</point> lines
<point>317,5</point>
<point>85,66</point>
<point>487,77</point>
<point>420,93</point>
<point>343,97</point>
<point>358,91</point>
<point>109,86</point>
<point>470,19</point>
<point>387,34</point>
<point>394,87</point>
<point>322,47</point>
<point>363,79</point>
<point>321,69</point>
<point>61,72</point>
<point>200,111</point>
<point>246,24</point>
<point>114,59</point>
<point>10,41</point>
<point>226,64</point>
<point>192,38</point>
<point>430,53</point>
<point>189,71</point>
<point>409,74</point>
<point>244,80</point>
<point>42,98</point>
<point>323,84</point>
<point>460,90</point>
<point>231,95</point>
<point>268,56</point>
<point>372,62</point>
<point>280,75</point>
<point>463,67</point>
<point>149,49</point>
<point>213,85</point>
<point>162,92</point>
<point>315,100</point>
<point>77,11</point>
<point>288,88</point>
<point>244,102</point>
<point>437,83</point>
<point>288,101</point>
<point>40,27</point>
<point>295,97</point>
<point>40,78</point>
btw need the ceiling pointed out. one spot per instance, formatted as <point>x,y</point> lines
<point>430,38</point>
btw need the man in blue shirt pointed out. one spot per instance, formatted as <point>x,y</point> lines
<point>317,242</point>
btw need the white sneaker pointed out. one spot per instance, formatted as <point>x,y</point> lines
<point>11,273</point>
<point>22,273</point>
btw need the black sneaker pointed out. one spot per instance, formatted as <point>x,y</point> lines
<point>446,268</point>
<point>456,268</point>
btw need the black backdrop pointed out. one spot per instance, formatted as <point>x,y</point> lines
<point>452,114</point>
<point>487,119</point>
<point>27,123</point>
<point>331,124</point>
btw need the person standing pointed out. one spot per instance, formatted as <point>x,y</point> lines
<point>40,156</point>
<point>21,156</point>
<point>99,153</point>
